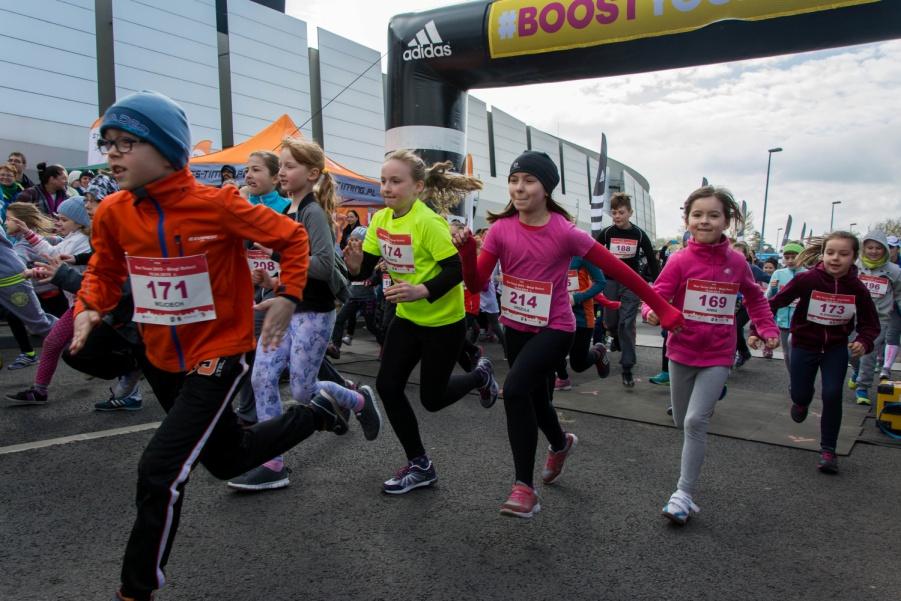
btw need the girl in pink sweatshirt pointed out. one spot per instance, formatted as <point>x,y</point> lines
<point>704,280</point>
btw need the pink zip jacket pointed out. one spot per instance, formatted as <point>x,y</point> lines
<point>715,270</point>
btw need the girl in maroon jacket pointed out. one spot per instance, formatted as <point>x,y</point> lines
<point>832,303</point>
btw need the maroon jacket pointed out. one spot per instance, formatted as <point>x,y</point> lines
<point>817,337</point>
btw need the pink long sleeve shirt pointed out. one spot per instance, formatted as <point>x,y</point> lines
<point>703,280</point>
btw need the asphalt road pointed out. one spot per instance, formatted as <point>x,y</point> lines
<point>771,527</point>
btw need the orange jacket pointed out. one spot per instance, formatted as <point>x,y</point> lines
<point>180,217</point>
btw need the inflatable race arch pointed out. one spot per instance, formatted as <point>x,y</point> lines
<point>436,56</point>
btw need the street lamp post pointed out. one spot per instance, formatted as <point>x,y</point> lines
<point>766,192</point>
<point>851,227</point>
<point>832,219</point>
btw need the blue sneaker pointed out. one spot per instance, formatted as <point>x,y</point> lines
<point>661,379</point>
<point>131,402</point>
<point>413,475</point>
<point>679,508</point>
<point>862,396</point>
<point>852,381</point>
<point>23,361</point>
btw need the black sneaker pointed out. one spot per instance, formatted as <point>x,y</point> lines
<point>488,392</point>
<point>133,401</point>
<point>370,418</point>
<point>333,351</point>
<point>603,362</point>
<point>261,478</point>
<point>628,380</point>
<point>798,412</point>
<point>828,463</point>
<point>334,417</point>
<point>409,477</point>
<point>26,397</point>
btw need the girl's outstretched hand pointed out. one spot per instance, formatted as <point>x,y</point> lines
<point>462,237</point>
<point>857,349</point>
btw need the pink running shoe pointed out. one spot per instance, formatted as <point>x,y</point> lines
<point>553,467</point>
<point>522,502</point>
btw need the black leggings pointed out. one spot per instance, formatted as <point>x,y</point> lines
<point>437,350</point>
<point>20,333</point>
<point>741,320</point>
<point>581,356</point>
<point>527,394</point>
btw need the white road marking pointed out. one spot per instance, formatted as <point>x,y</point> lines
<point>52,442</point>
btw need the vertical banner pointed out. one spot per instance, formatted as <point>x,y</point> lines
<point>788,229</point>
<point>803,231</point>
<point>744,221</point>
<point>704,182</point>
<point>600,192</point>
<point>472,199</point>
<point>94,156</point>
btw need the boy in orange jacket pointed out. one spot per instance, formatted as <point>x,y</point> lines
<point>181,244</point>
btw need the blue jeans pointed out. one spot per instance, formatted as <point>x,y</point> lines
<point>833,365</point>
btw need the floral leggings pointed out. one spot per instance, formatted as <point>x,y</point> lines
<point>303,349</point>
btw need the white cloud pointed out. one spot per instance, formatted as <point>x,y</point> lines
<point>834,112</point>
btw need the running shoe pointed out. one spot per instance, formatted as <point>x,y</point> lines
<point>522,502</point>
<point>413,475</point>
<point>885,375</point>
<point>23,361</point>
<point>661,379</point>
<point>130,402</point>
<point>369,417</point>
<point>852,381</point>
<point>628,380</point>
<point>488,392</point>
<point>334,417</point>
<point>26,397</point>
<point>563,384</point>
<point>553,467</point>
<point>680,508</point>
<point>602,364</point>
<point>333,351</point>
<point>862,396</point>
<point>741,359</point>
<point>798,412</point>
<point>261,478</point>
<point>669,409</point>
<point>828,463</point>
<point>614,345</point>
<point>348,340</point>
<point>767,353</point>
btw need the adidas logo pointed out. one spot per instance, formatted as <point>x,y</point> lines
<point>426,44</point>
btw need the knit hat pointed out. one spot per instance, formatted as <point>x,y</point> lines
<point>102,186</point>
<point>74,176</point>
<point>792,247</point>
<point>73,208</point>
<point>540,165</point>
<point>359,232</point>
<point>156,119</point>
<point>893,241</point>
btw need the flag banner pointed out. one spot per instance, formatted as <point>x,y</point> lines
<point>704,181</point>
<point>600,192</point>
<point>803,231</point>
<point>788,229</point>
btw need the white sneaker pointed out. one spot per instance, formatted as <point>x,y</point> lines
<point>679,508</point>
<point>347,340</point>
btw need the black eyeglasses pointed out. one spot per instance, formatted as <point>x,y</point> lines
<point>123,145</point>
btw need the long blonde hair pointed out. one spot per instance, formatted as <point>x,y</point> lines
<point>311,154</point>
<point>813,253</point>
<point>443,189</point>
<point>32,217</point>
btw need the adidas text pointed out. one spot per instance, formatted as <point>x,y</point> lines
<point>412,54</point>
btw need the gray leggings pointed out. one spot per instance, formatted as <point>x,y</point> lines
<point>694,392</point>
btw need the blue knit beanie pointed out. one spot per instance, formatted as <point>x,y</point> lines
<point>155,118</point>
<point>73,208</point>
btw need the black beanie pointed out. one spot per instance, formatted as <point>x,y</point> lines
<point>540,165</point>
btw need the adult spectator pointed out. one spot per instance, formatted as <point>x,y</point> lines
<point>18,159</point>
<point>227,176</point>
<point>893,244</point>
<point>9,187</point>
<point>51,192</point>
<point>352,219</point>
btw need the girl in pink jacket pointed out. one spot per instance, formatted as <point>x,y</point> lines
<point>704,280</point>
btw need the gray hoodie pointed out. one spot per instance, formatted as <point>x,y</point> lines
<point>10,263</point>
<point>884,283</point>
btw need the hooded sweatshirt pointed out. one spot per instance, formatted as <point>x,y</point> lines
<point>816,337</point>
<point>882,279</point>
<point>711,266</point>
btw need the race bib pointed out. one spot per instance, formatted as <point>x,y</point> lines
<point>623,248</point>
<point>526,301</point>
<point>572,280</point>
<point>397,250</point>
<point>877,286</point>
<point>260,259</point>
<point>710,302</point>
<point>831,309</point>
<point>171,291</point>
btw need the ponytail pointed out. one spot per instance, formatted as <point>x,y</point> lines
<point>326,195</point>
<point>813,254</point>
<point>311,154</point>
<point>443,189</point>
<point>45,172</point>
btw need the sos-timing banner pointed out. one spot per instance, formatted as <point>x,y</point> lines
<point>520,27</point>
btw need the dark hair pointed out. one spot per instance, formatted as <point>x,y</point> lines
<point>357,215</point>
<point>16,153</point>
<point>270,160</point>
<point>620,200</point>
<point>772,261</point>
<point>814,251</point>
<point>45,172</point>
<point>730,208</point>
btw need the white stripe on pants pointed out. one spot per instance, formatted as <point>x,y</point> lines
<point>694,392</point>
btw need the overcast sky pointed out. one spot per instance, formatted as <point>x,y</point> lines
<point>835,113</point>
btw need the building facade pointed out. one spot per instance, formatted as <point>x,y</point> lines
<point>235,66</point>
